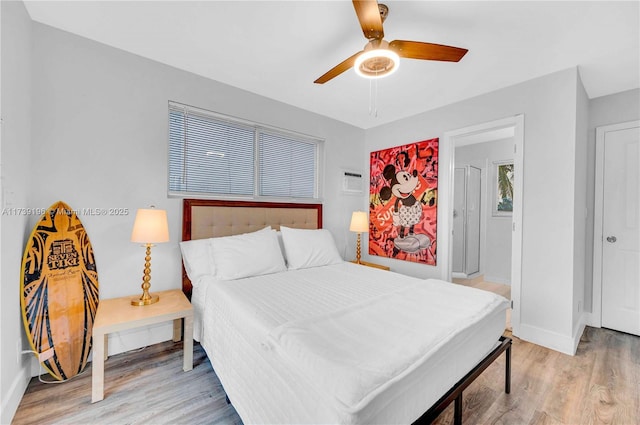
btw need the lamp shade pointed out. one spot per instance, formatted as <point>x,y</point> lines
<point>359,222</point>
<point>150,226</point>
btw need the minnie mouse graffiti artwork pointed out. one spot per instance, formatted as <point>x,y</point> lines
<point>403,202</point>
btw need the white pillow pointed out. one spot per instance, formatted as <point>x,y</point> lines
<point>196,258</point>
<point>245,255</point>
<point>309,248</point>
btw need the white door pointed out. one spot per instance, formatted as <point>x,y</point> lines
<point>621,229</point>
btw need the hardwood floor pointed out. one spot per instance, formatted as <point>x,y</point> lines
<point>144,386</point>
<point>599,385</point>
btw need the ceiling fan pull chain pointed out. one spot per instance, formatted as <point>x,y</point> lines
<point>370,97</point>
<point>373,98</point>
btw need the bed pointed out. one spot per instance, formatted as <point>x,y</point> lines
<point>321,340</point>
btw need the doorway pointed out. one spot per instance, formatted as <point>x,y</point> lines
<point>494,130</point>
<point>487,234</point>
<point>616,253</point>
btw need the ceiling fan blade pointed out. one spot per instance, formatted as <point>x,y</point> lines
<point>369,17</point>
<point>338,69</point>
<point>427,51</point>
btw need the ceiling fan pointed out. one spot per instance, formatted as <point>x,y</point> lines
<point>381,58</point>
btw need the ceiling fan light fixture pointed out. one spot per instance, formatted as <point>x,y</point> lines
<point>380,57</point>
<point>376,63</point>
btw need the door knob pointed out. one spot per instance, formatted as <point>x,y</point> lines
<point>611,239</point>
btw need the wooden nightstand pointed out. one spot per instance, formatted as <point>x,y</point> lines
<point>117,314</point>
<point>376,266</point>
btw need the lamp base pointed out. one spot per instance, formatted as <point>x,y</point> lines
<point>142,301</point>
<point>358,251</point>
<point>146,298</point>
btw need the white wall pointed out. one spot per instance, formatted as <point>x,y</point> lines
<point>549,107</point>
<point>94,134</point>
<point>580,209</point>
<point>495,232</point>
<point>15,173</point>
<point>605,110</point>
<point>101,141</point>
<point>89,124</point>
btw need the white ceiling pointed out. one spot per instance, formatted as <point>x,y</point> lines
<point>277,49</point>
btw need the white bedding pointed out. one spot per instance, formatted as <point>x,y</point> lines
<point>263,336</point>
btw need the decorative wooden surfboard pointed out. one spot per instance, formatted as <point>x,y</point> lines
<point>59,291</point>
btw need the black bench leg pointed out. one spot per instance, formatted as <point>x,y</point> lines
<point>457,410</point>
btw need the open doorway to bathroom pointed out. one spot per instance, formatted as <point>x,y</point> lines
<point>483,208</point>
<point>483,164</point>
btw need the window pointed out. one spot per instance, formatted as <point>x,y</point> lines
<point>503,188</point>
<point>214,155</point>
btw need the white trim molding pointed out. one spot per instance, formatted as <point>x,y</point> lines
<point>447,165</point>
<point>553,340</point>
<point>13,396</point>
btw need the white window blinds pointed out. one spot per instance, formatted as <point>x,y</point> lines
<point>287,166</point>
<point>214,155</point>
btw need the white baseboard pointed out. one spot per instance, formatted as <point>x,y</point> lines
<point>582,323</point>
<point>119,342</point>
<point>563,343</point>
<point>13,397</point>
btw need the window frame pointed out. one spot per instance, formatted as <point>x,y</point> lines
<point>258,128</point>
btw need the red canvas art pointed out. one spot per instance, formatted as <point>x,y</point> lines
<point>403,202</point>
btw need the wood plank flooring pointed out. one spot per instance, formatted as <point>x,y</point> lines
<point>599,385</point>
<point>144,386</point>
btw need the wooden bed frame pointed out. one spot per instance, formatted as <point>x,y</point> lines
<point>223,218</point>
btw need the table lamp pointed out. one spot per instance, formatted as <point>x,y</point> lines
<point>359,224</point>
<point>150,227</point>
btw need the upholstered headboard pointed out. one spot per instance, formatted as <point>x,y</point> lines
<point>202,218</point>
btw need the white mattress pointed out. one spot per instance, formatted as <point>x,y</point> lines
<point>235,322</point>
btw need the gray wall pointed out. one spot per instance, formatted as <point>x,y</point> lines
<point>95,136</point>
<point>580,203</point>
<point>549,107</point>
<point>15,173</point>
<point>102,119</point>
<point>87,124</point>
